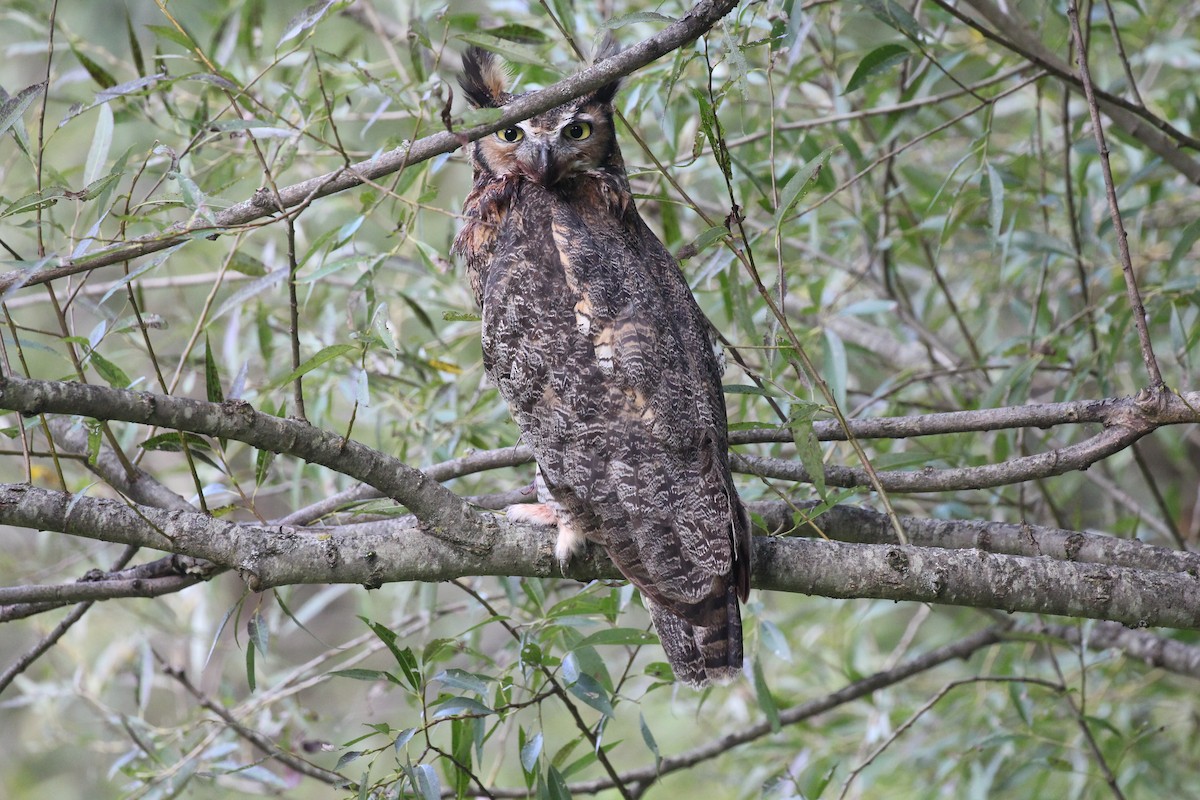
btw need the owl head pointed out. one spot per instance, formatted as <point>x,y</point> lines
<point>552,147</point>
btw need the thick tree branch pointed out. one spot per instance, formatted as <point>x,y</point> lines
<point>372,554</point>
<point>858,525</point>
<point>264,203</point>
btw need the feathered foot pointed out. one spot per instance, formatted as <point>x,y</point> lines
<point>570,540</point>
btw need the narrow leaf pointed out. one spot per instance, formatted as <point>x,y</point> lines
<point>93,441</point>
<point>15,106</point>
<point>765,701</point>
<point>326,354</point>
<point>800,420</point>
<point>256,629</point>
<point>702,242</point>
<point>522,34</point>
<point>135,47</point>
<point>631,637</point>
<point>212,378</point>
<point>878,60</point>
<point>589,690</point>
<point>305,20</point>
<point>456,706</point>
<point>361,674</point>
<point>262,466</point>
<point>556,786</point>
<point>461,679</point>
<point>835,369</point>
<point>1187,238</point>
<point>429,786</point>
<point>530,752</point>
<point>996,206</point>
<point>31,202</point>
<point>250,681</point>
<point>172,441</point>
<point>101,143</point>
<point>648,738</point>
<point>800,184</point>
<point>511,51</point>
<point>113,375</point>
<point>99,74</point>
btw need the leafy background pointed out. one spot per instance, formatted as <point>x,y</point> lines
<point>953,251</point>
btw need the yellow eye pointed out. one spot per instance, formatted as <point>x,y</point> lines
<point>578,130</point>
<point>510,135</point>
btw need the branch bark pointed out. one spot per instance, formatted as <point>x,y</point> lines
<point>372,554</point>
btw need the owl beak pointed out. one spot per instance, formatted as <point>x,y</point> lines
<point>544,167</point>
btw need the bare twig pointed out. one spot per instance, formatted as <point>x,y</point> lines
<point>254,737</point>
<point>961,649</point>
<point>1114,210</point>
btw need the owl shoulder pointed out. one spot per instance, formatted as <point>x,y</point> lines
<point>484,212</point>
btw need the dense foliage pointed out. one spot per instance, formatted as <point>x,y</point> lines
<point>889,211</point>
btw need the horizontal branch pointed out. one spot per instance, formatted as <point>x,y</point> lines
<point>62,594</point>
<point>686,29</point>
<point>1151,649</point>
<point>858,525</point>
<point>1125,421</point>
<point>372,554</point>
<point>166,575</point>
<point>1038,415</point>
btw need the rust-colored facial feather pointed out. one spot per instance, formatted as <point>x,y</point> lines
<point>560,143</point>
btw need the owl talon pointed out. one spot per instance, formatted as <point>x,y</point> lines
<point>570,541</point>
<point>532,513</point>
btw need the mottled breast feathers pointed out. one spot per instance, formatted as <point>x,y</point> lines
<point>594,340</point>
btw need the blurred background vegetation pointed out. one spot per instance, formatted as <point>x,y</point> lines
<point>955,252</point>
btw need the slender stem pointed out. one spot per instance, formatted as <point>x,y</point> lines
<point>1110,189</point>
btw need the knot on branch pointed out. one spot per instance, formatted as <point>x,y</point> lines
<point>239,412</point>
<point>1152,402</point>
<point>898,562</point>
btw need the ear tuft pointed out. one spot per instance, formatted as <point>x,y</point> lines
<point>608,48</point>
<point>483,79</point>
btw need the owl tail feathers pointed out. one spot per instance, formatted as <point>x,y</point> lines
<point>701,656</point>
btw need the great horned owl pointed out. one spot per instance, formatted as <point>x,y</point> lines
<point>595,341</point>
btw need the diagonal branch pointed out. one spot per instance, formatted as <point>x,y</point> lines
<point>702,16</point>
<point>437,507</point>
<point>1156,134</point>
